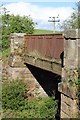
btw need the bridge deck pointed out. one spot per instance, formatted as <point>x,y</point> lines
<point>44,51</point>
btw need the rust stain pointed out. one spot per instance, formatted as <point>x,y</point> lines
<point>48,45</point>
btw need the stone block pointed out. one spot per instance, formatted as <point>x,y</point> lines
<point>64,116</point>
<point>67,90</point>
<point>69,106</point>
<point>65,108</point>
<point>72,33</point>
<point>71,52</point>
<point>16,61</point>
<point>17,50</point>
<point>68,101</point>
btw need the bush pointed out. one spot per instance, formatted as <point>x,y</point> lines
<point>14,24</point>
<point>49,108</point>
<point>42,108</point>
<point>13,95</point>
<point>15,105</point>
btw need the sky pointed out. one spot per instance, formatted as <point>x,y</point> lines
<point>41,10</point>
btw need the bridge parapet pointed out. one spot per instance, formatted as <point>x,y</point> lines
<point>70,75</point>
<point>45,51</point>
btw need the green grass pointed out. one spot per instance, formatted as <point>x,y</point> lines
<point>38,31</point>
<point>6,52</point>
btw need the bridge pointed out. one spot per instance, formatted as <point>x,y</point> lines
<point>50,57</point>
<point>45,51</point>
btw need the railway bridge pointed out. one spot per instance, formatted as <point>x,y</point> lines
<point>53,60</point>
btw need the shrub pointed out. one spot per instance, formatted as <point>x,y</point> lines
<point>49,108</point>
<point>13,95</point>
<point>42,108</point>
<point>15,105</point>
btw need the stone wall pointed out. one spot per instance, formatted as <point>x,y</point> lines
<point>18,70</point>
<point>70,74</point>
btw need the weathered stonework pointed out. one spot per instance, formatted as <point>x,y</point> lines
<point>17,50</point>
<point>18,70</point>
<point>70,73</point>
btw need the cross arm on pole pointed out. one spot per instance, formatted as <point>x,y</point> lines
<point>54,21</point>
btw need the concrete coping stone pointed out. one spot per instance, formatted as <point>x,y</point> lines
<point>13,35</point>
<point>72,34</point>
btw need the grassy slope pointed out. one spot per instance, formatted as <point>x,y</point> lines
<point>38,31</point>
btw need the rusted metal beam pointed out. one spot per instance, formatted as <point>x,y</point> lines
<point>44,51</point>
<point>52,66</point>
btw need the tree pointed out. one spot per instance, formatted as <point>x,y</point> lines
<point>74,21</point>
<point>79,14</point>
<point>14,24</point>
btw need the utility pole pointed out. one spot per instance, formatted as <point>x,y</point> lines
<point>54,20</point>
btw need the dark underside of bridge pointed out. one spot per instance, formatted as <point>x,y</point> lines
<point>49,82</point>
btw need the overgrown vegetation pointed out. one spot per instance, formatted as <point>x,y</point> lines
<point>13,95</point>
<point>73,22</point>
<point>6,52</point>
<point>77,83</point>
<point>14,24</point>
<point>15,105</point>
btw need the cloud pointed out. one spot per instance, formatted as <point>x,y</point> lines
<point>39,14</point>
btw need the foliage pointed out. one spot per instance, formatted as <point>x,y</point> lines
<point>6,52</point>
<point>13,95</point>
<point>49,108</point>
<point>73,22</point>
<point>14,24</point>
<point>77,83</point>
<point>40,108</point>
<point>16,106</point>
<point>78,94</point>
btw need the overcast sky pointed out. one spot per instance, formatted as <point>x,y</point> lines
<point>41,10</point>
